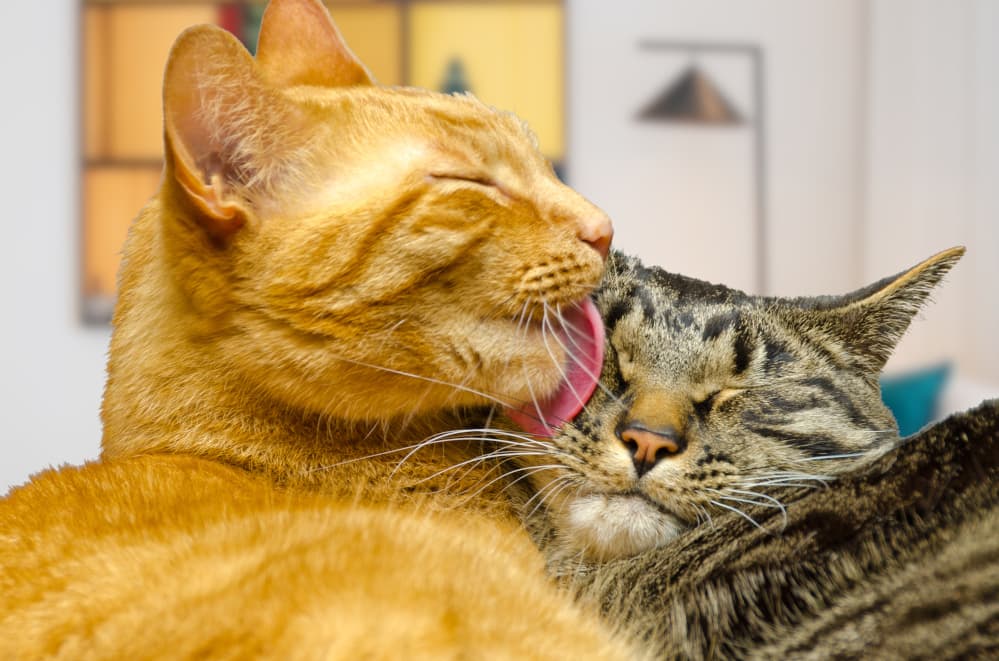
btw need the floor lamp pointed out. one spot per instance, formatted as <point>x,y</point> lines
<point>693,98</point>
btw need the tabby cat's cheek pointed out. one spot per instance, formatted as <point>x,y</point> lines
<point>602,527</point>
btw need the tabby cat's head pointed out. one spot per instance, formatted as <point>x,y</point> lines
<point>711,395</point>
<point>348,248</point>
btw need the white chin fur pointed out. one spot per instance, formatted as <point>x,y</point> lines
<point>604,527</point>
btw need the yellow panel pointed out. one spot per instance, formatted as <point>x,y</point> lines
<point>374,34</point>
<point>141,36</point>
<point>112,197</point>
<point>95,89</point>
<point>512,54</point>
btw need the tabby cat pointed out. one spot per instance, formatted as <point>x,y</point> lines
<point>330,270</point>
<point>737,490</point>
<point>709,397</point>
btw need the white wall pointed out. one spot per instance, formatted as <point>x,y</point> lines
<point>934,170</point>
<point>51,369</point>
<point>682,196</point>
<point>882,142</point>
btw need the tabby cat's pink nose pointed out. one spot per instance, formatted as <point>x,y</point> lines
<point>648,446</point>
<point>598,232</point>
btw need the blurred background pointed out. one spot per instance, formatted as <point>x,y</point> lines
<point>781,146</point>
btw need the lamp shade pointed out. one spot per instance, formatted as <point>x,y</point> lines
<point>693,98</point>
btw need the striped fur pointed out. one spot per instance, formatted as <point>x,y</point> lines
<point>895,560</point>
<point>750,392</point>
<point>885,549</point>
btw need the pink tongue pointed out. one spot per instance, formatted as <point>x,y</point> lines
<point>583,339</point>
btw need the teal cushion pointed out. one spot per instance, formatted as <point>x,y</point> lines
<point>914,397</point>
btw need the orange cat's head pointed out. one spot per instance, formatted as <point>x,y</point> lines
<point>347,248</point>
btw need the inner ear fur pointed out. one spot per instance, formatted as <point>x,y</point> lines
<point>227,131</point>
<point>300,45</point>
<point>872,320</point>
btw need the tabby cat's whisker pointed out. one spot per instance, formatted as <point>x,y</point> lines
<point>758,499</point>
<point>826,457</point>
<point>755,494</point>
<point>796,481</point>
<point>749,497</point>
<point>526,472</point>
<point>703,510</point>
<point>800,485</point>
<point>550,491</point>
<point>540,494</point>
<point>737,511</point>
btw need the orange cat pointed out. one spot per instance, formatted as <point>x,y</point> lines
<point>330,271</point>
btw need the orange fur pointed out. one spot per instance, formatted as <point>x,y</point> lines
<point>317,241</point>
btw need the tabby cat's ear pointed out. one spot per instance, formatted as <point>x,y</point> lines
<point>300,45</point>
<point>872,320</point>
<point>227,131</point>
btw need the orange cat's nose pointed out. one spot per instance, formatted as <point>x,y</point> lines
<point>598,232</point>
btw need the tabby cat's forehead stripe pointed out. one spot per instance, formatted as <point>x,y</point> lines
<point>778,353</point>
<point>679,320</point>
<point>648,302</point>
<point>720,323</point>
<point>618,309</point>
<point>743,349</point>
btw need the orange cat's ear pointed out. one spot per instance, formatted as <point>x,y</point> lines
<point>225,127</point>
<point>299,45</point>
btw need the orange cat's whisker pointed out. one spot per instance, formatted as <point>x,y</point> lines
<point>526,472</point>
<point>546,330</point>
<point>494,455</point>
<point>471,435</point>
<point>534,397</point>
<point>446,437</point>
<point>600,384</point>
<point>429,379</point>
